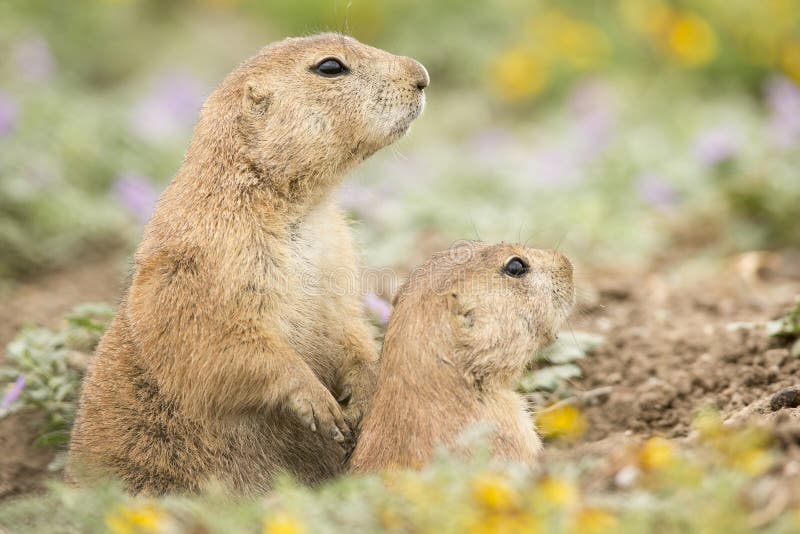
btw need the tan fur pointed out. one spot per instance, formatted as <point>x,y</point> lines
<point>458,340</point>
<point>243,322</point>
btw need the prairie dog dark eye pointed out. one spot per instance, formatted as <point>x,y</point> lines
<point>330,67</point>
<point>516,267</point>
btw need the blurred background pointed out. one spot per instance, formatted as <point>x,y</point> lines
<point>623,131</point>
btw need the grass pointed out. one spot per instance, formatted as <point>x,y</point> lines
<point>725,481</point>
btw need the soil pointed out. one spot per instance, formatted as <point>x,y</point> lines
<point>43,301</point>
<point>672,349</point>
<point>678,338</point>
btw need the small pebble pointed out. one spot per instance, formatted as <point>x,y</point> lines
<point>787,398</point>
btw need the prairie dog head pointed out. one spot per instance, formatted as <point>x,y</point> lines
<point>502,302</point>
<point>323,102</point>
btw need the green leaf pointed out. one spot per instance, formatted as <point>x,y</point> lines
<point>571,347</point>
<point>88,324</point>
<point>787,326</point>
<point>53,438</point>
<point>51,383</point>
<point>549,378</point>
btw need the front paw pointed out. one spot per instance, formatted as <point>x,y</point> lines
<point>356,392</point>
<point>318,410</point>
<point>354,412</point>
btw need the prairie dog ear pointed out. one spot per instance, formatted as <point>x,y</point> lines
<point>256,97</point>
<point>459,311</point>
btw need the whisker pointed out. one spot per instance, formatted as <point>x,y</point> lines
<point>474,228</point>
<point>399,155</point>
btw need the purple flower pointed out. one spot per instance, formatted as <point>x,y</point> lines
<point>137,194</point>
<point>783,96</point>
<point>594,110</point>
<point>562,162</point>
<point>33,59</point>
<point>378,307</point>
<point>9,112</point>
<point>716,146</point>
<point>169,109</point>
<point>13,392</point>
<point>783,101</point>
<point>653,190</point>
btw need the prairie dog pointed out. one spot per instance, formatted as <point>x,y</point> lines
<point>235,339</point>
<point>464,326</point>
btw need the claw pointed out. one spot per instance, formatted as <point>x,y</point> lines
<point>313,421</point>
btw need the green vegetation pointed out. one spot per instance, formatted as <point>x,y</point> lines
<point>722,483</point>
<point>44,369</point>
<point>788,328</point>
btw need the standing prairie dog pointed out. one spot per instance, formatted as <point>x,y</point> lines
<point>464,326</point>
<point>242,326</point>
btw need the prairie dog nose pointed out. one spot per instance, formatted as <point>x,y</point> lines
<point>563,262</point>
<point>419,74</point>
<point>553,260</point>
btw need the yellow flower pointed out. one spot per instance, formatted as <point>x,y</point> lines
<point>708,424</point>
<point>753,461</point>
<point>648,17</point>
<point>522,523</point>
<point>389,519</point>
<point>691,40</point>
<point>556,35</point>
<point>494,493</point>
<point>146,517</point>
<point>594,521</point>
<point>282,524</point>
<point>790,59</point>
<point>746,450</point>
<point>519,73</point>
<point>581,44</point>
<point>412,489</point>
<point>782,11</point>
<point>558,492</point>
<point>563,421</point>
<point>656,454</point>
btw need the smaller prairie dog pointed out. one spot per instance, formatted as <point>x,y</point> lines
<point>464,327</point>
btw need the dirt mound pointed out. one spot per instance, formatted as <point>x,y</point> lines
<point>674,348</point>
